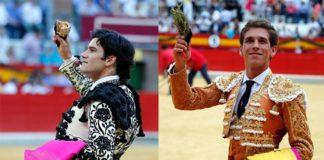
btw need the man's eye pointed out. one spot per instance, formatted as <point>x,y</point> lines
<point>263,41</point>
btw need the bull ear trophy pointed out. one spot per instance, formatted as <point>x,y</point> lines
<point>181,23</point>
<point>62,28</point>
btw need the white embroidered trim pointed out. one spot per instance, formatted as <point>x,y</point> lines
<point>257,145</point>
<point>236,127</point>
<point>222,100</point>
<point>287,98</point>
<point>231,96</point>
<point>230,86</point>
<point>274,112</point>
<point>255,118</point>
<point>233,118</point>
<point>255,104</point>
<point>268,145</point>
<point>171,68</point>
<point>227,110</point>
<point>237,138</point>
<point>252,131</point>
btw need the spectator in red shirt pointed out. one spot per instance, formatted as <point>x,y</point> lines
<point>197,62</point>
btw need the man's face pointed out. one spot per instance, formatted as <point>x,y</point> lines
<point>256,49</point>
<point>92,64</point>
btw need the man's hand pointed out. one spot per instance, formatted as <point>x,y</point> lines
<point>181,53</point>
<point>64,47</point>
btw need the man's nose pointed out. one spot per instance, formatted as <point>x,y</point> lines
<point>84,54</point>
<point>256,45</point>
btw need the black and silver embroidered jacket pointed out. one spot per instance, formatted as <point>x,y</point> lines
<point>107,116</point>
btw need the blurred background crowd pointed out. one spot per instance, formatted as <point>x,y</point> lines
<point>304,18</point>
<point>26,29</point>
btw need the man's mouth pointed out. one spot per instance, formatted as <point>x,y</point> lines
<point>255,53</point>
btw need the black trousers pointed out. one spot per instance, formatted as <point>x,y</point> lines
<point>204,72</point>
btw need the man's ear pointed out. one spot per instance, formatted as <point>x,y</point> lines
<point>274,50</point>
<point>110,60</point>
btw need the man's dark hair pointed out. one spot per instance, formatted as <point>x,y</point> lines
<point>260,23</point>
<point>115,44</point>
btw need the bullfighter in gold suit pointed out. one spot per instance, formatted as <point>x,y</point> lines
<point>260,107</point>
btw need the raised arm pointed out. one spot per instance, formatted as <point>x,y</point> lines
<point>183,96</point>
<point>69,68</point>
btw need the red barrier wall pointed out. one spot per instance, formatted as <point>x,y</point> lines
<point>285,63</point>
<point>33,113</point>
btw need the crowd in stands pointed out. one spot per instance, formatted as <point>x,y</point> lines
<point>223,17</point>
<point>25,34</point>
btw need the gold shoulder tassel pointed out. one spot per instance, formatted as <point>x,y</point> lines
<point>222,100</point>
<point>274,110</point>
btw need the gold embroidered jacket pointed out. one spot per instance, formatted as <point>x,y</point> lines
<point>277,108</point>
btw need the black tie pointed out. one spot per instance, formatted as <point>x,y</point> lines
<point>245,98</point>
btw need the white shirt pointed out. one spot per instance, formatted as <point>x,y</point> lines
<point>256,86</point>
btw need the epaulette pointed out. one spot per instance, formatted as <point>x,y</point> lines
<point>227,83</point>
<point>284,90</point>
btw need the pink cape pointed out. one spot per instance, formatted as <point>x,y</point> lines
<point>55,150</point>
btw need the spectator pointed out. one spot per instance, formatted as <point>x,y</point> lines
<point>88,8</point>
<point>215,22</point>
<point>34,86</point>
<point>15,27</point>
<point>260,9</point>
<point>31,15</point>
<point>216,5</point>
<point>129,8</point>
<point>204,23</point>
<point>197,63</point>
<point>105,6</point>
<point>10,87</point>
<point>153,10</point>
<point>226,17</point>
<point>188,10</point>
<point>27,88</point>
<point>291,12</point>
<point>11,54</point>
<point>317,10</point>
<point>234,5</point>
<point>279,10</point>
<point>314,28</point>
<point>32,45</point>
<point>3,14</point>
<point>170,4</point>
<point>165,21</point>
<point>303,12</point>
<point>4,45</point>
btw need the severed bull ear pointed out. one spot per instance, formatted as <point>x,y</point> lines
<point>62,28</point>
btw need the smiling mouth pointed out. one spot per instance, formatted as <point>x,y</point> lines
<point>255,53</point>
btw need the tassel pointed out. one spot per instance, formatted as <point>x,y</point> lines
<point>222,100</point>
<point>141,132</point>
<point>274,110</point>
